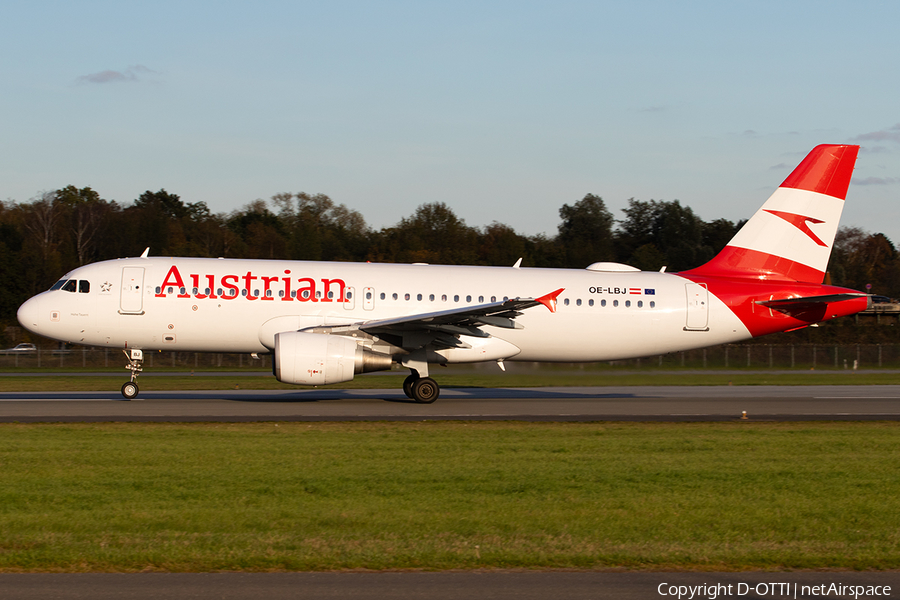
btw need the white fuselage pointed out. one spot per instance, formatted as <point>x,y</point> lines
<point>229,305</point>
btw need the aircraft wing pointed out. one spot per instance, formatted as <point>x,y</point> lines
<point>466,320</point>
<point>443,328</point>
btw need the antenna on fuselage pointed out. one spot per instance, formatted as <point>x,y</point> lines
<point>146,252</point>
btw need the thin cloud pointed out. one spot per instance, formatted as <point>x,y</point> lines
<point>874,149</point>
<point>876,181</point>
<point>891,134</point>
<point>133,73</point>
<point>781,167</point>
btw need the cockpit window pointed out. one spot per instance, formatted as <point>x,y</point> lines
<point>69,286</point>
<point>59,284</point>
<point>84,286</point>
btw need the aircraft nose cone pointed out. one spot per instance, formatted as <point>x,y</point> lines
<point>28,315</point>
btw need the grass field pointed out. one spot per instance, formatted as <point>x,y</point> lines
<point>326,496</point>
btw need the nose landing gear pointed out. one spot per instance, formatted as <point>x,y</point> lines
<point>135,364</point>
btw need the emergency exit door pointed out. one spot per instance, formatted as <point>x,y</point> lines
<point>697,307</point>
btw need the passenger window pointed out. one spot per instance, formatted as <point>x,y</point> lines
<point>382,295</point>
<point>349,295</point>
<point>578,302</point>
<point>566,301</point>
<point>493,298</point>
<point>431,297</point>
<point>368,295</point>
<point>628,304</point>
<point>591,302</point>
<point>652,304</point>
<point>84,287</point>
<point>640,303</point>
<point>394,295</point>
<point>603,303</point>
<point>443,297</point>
<point>480,299</point>
<point>419,297</point>
<point>468,298</point>
<point>69,286</point>
<point>615,302</point>
<point>456,298</point>
<point>406,296</point>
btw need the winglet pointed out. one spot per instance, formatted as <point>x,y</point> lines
<point>549,300</point>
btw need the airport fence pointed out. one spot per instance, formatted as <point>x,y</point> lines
<point>780,356</point>
<point>109,358</point>
<point>729,356</point>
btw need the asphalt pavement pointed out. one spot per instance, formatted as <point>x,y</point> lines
<point>635,403</point>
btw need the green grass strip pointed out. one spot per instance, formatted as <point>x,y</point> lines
<point>329,496</point>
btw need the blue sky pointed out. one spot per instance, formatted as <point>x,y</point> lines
<point>503,110</point>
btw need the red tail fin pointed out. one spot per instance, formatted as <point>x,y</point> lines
<point>791,236</point>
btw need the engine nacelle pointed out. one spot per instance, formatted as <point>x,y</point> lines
<point>318,359</point>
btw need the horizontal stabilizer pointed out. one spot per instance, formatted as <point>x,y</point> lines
<point>814,309</point>
<point>827,299</point>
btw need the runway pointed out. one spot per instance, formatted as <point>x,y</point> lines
<point>636,403</point>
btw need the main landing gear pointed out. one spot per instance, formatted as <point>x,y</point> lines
<point>423,390</point>
<point>135,364</point>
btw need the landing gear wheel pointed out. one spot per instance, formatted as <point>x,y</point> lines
<point>130,390</point>
<point>135,365</point>
<point>425,390</point>
<point>407,385</point>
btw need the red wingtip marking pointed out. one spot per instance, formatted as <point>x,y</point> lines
<point>550,299</point>
<point>826,169</point>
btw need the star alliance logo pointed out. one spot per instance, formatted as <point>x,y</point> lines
<point>105,287</point>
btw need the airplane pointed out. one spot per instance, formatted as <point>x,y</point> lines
<point>325,322</point>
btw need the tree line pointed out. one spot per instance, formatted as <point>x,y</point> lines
<point>42,239</point>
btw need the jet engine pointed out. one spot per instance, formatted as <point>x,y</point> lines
<point>317,359</point>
